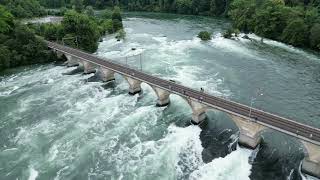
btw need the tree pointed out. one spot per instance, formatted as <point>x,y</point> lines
<point>204,35</point>
<point>242,13</point>
<point>314,37</point>
<point>89,11</point>
<point>116,19</point>
<point>296,33</point>
<point>6,20</point>
<point>4,57</point>
<point>121,34</point>
<point>106,14</point>
<point>184,6</point>
<point>77,5</point>
<point>273,18</point>
<point>25,8</point>
<point>84,29</point>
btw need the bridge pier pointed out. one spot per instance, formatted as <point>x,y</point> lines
<point>311,162</point>
<point>250,132</point>
<point>88,67</point>
<point>71,61</point>
<point>59,54</point>
<point>105,74</point>
<point>198,111</point>
<point>134,85</point>
<point>163,96</point>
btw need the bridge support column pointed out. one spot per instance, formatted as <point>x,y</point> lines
<point>250,132</point>
<point>198,111</point>
<point>163,96</point>
<point>59,54</point>
<point>311,162</point>
<point>71,61</point>
<point>134,85</point>
<point>88,67</point>
<point>106,75</point>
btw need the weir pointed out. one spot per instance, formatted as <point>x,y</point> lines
<point>251,125</point>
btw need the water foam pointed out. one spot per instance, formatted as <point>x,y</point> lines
<point>284,46</point>
<point>33,174</point>
<point>233,46</point>
<point>234,166</point>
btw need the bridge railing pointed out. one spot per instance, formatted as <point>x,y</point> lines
<point>268,119</point>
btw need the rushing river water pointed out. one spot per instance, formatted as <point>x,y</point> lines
<point>55,126</point>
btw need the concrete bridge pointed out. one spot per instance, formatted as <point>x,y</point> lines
<point>250,126</point>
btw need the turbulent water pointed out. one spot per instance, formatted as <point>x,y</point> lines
<point>55,126</point>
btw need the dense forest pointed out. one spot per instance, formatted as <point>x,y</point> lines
<point>80,28</point>
<point>296,22</point>
<point>18,44</point>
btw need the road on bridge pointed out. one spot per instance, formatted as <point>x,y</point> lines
<point>278,123</point>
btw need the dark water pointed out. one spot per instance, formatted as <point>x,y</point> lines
<point>56,126</point>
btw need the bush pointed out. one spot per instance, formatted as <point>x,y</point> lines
<point>204,35</point>
<point>230,32</point>
<point>106,14</point>
<point>295,33</point>
<point>314,37</point>
<point>63,10</point>
<point>84,28</point>
<point>89,11</point>
<point>25,8</point>
<point>108,26</point>
<point>116,19</point>
<point>121,34</point>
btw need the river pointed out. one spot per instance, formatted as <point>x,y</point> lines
<point>55,126</point>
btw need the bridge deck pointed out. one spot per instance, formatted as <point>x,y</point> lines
<point>278,123</point>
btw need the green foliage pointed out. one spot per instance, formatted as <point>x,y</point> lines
<point>83,28</point>
<point>242,13</point>
<point>54,3</point>
<point>204,35</point>
<point>24,8</point>
<point>296,33</point>
<point>19,45</point>
<point>4,57</point>
<point>121,34</point>
<point>89,11</point>
<point>184,6</point>
<point>314,37</point>
<point>116,19</point>
<point>107,26</point>
<point>106,14</point>
<point>63,10</point>
<point>275,20</point>
<point>6,20</point>
<point>77,5</point>
<point>230,32</point>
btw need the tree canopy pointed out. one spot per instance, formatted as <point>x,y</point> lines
<point>18,44</point>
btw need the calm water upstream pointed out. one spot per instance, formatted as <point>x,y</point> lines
<point>54,126</point>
